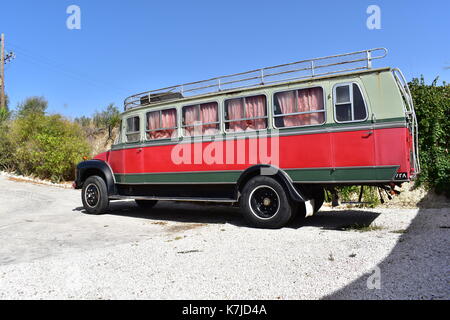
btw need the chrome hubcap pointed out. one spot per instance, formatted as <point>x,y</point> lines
<point>264,202</point>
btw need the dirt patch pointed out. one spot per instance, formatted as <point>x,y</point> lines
<point>65,185</point>
<point>188,251</point>
<point>24,180</point>
<point>160,223</point>
<point>185,227</point>
<point>412,197</point>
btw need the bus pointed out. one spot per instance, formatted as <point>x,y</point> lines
<point>271,141</point>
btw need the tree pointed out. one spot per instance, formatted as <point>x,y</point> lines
<point>32,105</point>
<point>108,119</point>
<point>432,104</point>
<point>83,121</point>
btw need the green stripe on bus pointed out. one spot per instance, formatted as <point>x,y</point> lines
<point>191,177</point>
<point>297,175</point>
<point>343,174</point>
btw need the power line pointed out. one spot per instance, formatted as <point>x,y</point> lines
<point>46,62</point>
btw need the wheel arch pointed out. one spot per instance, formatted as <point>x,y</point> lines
<point>271,171</point>
<point>99,168</point>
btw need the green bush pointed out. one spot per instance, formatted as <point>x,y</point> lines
<point>371,197</point>
<point>5,114</point>
<point>48,147</point>
<point>432,104</point>
<point>36,144</point>
<point>6,147</point>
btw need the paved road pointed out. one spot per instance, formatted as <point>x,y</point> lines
<point>52,249</point>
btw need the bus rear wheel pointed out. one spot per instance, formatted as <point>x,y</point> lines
<point>265,203</point>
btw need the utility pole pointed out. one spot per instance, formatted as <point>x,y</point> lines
<point>2,72</point>
<point>3,59</point>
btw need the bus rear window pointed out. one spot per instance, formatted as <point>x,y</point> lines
<point>349,103</point>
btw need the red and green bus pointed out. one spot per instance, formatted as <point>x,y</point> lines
<point>269,140</point>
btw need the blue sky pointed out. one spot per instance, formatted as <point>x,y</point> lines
<point>125,47</point>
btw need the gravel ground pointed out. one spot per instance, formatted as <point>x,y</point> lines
<point>52,250</point>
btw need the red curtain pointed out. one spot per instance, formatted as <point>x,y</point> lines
<point>209,113</point>
<point>191,117</point>
<point>308,100</point>
<point>235,111</point>
<point>254,107</point>
<point>153,123</point>
<point>286,101</point>
<point>205,113</point>
<point>167,122</point>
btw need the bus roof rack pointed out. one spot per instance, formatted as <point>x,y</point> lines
<point>304,69</point>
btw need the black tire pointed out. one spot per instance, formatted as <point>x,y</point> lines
<point>265,204</point>
<point>146,204</point>
<point>95,195</point>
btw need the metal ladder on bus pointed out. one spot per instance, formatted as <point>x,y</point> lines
<point>410,114</point>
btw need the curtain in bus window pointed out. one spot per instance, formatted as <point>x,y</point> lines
<point>255,107</point>
<point>169,122</point>
<point>191,117</point>
<point>153,123</point>
<point>304,105</point>
<point>235,111</point>
<point>310,100</point>
<point>286,102</point>
<point>317,103</point>
<point>209,113</point>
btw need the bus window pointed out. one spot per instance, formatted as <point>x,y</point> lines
<point>349,103</point>
<point>119,135</point>
<point>133,131</point>
<point>296,108</point>
<point>246,114</point>
<point>161,124</point>
<point>201,119</point>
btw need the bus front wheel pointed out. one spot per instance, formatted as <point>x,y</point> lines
<point>265,203</point>
<point>95,195</point>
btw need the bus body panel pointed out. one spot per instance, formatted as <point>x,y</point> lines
<point>353,155</point>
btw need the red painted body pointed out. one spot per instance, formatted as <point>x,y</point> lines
<point>382,147</point>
